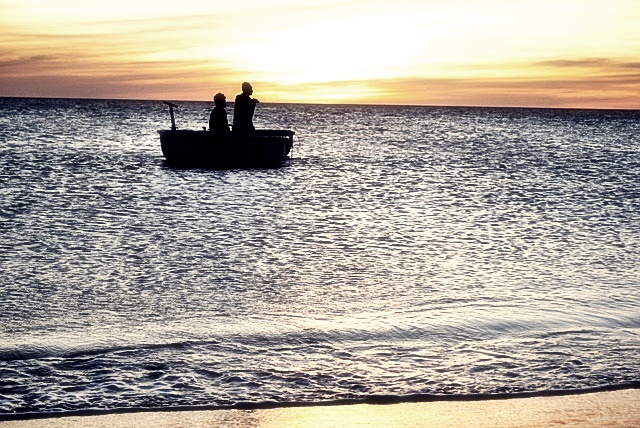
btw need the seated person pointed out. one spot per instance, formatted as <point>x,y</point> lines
<point>243,110</point>
<point>218,120</point>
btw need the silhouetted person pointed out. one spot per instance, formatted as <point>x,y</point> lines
<point>243,110</point>
<point>218,120</point>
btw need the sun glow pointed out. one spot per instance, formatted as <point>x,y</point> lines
<point>344,49</point>
<point>409,51</point>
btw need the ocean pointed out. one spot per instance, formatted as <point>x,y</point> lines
<point>402,251</point>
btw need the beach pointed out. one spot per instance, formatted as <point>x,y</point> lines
<point>602,409</point>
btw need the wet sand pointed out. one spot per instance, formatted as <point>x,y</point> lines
<point>601,409</point>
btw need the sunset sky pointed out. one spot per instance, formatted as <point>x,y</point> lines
<point>547,53</point>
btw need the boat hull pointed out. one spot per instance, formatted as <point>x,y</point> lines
<point>262,148</point>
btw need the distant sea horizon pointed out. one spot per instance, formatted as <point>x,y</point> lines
<point>230,101</point>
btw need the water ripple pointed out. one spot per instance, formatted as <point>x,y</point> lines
<point>402,250</point>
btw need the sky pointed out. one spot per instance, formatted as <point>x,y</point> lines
<point>525,53</point>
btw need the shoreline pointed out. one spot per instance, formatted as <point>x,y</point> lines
<point>373,399</point>
<point>613,407</point>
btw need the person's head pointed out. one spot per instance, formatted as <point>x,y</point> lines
<point>220,100</point>
<point>247,88</point>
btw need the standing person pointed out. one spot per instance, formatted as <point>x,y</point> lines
<point>218,120</point>
<point>243,110</point>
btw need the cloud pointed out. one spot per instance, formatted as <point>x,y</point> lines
<point>85,77</point>
<point>610,91</point>
<point>604,63</point>
<point>153,81</point>
<point>26,62</point>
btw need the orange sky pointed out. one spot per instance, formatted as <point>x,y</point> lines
<point>571,53</point>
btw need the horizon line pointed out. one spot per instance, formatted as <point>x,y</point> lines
<point>479,106</point>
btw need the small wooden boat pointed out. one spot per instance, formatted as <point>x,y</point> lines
<point>261,148</point>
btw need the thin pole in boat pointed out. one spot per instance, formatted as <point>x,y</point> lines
<point>173,120</point>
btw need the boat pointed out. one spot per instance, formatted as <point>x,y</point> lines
<point>264,148</point>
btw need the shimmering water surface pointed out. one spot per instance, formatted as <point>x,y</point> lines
<point>402,250</point>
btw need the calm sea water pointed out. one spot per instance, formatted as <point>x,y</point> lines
<point>402,250</point>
